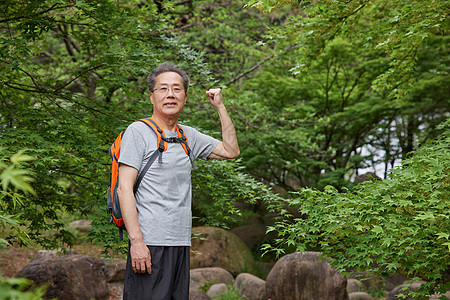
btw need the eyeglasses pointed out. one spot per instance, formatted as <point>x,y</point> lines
<point>164,90</point>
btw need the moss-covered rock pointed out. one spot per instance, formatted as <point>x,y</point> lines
<point>216,247</point>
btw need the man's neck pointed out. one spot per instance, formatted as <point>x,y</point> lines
<point>167,123</point>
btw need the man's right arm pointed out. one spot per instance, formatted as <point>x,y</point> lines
<point>140,255</point>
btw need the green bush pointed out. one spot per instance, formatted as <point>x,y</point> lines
<point>229,295</point>
<point>15,185</point>
<point>401,224</point>
<point>20,289</point>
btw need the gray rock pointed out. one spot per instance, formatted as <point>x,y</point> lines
<point>41,254</point>
<point>369,176</point>
<point>436,297</point>
<point>81,225</point>
<point>115,290</point>
<point>213,275</point>
<point>403,289</point>
<point>250,287</point>
<point>354,285</point>
<point>114,270</point>
<point>197,295</point>
<point>70,277</point>
<point>387,283</point>
<point>217,289</point>
<point>299,276</point>
<point>360,296</point>
<point>391,282</point>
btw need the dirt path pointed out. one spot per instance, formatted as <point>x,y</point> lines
<point>14,259</point>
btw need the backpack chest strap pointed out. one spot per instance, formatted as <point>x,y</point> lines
<point>163,140</point>
<point>173,140</point>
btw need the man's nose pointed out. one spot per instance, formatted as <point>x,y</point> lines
<point>170,92</point>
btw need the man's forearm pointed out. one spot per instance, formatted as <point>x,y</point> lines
<point>128,202</point>
<point>228,147</point>
<point>129,215</point>
<point>229,138</point>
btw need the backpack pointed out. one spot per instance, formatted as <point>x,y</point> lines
<point>114,151</point>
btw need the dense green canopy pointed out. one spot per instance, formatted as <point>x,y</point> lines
<point>319,91</point>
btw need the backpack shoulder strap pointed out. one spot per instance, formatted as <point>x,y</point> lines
<point>150,122</point>
<point>185,144</point>
<point>183,140</point>
<point>162,146</point>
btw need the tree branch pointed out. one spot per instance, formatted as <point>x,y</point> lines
<point>67,42</point>
<point>27,17</point>
<point>258,65</point>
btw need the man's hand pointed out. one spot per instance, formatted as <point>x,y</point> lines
<point>141,259</point>
<point>215,97</point>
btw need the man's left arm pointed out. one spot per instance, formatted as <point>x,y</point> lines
<point>228,148</point>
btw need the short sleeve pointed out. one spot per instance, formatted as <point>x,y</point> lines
<point>201,145</point>
<point>132,148</point>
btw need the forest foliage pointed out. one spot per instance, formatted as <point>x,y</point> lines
<point>400,224</point>
<point>319,91</point>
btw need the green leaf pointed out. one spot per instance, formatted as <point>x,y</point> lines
<point>377,229</point>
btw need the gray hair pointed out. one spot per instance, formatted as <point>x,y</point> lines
<point>163,68</point>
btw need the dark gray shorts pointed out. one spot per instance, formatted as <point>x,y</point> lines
<point>169,279</point>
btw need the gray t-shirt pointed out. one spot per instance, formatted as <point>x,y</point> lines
<point>163,199</point>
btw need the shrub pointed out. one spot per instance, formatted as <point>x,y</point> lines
<point>401,224</point>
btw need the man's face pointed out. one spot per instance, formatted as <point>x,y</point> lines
<point>168,97</point>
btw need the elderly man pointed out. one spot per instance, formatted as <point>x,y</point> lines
<point>158,216</point>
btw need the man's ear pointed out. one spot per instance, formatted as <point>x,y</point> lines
<point>151,98</point>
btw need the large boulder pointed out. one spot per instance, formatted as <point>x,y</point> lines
<point>250,287</point>
<point>300,276</point>
<point>216,247</point>
<point>70,277</point>
<point>211,275</point>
